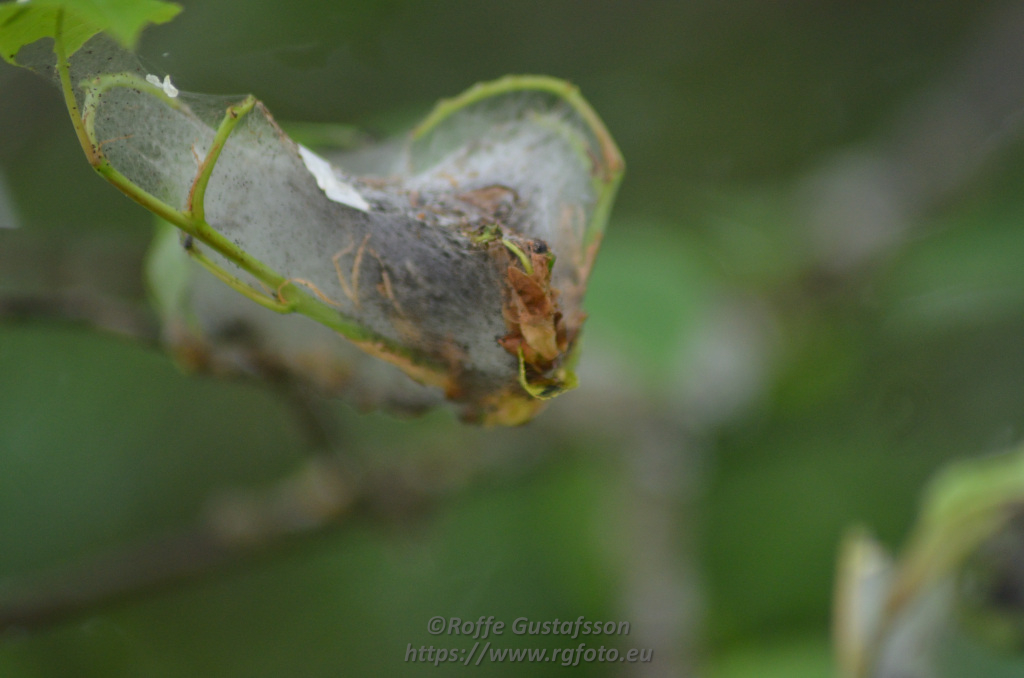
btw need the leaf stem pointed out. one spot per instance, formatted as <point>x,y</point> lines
<point>64,73</point>
<point>197,194</point>
<point>516,250</point>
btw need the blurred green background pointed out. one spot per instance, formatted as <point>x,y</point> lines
<point>808,299</point>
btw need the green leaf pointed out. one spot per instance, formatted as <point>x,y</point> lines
<point>22,23</point>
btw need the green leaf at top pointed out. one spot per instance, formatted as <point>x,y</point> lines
<point>22,23</point>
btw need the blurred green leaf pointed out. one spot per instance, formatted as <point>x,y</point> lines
<point>799,657</point>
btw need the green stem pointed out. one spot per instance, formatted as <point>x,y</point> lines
<point>197,194</point>
<point>523,259</point>
<point>102,84</point>
<point>64,73</point>
<point>238,284</point>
